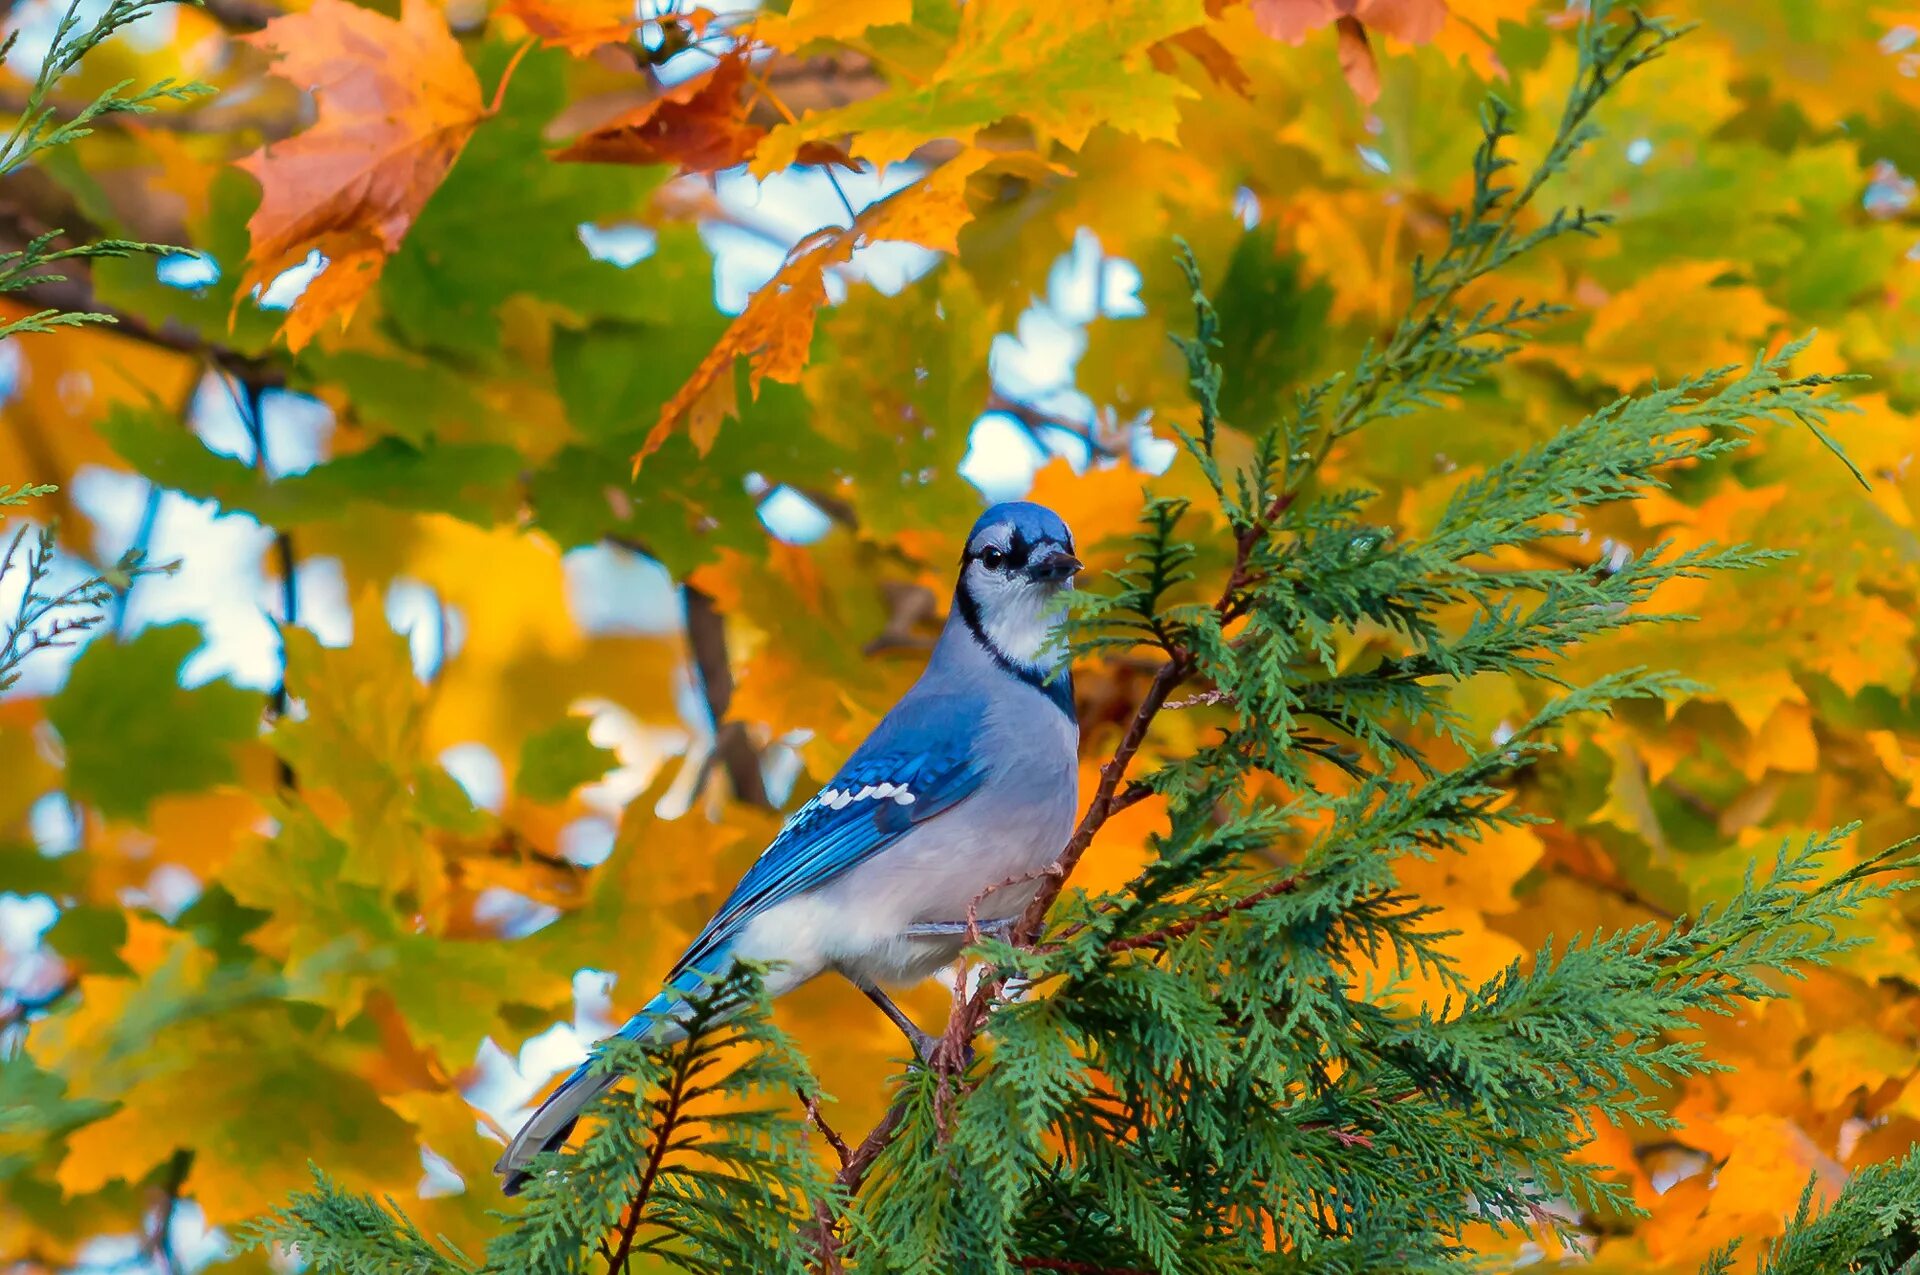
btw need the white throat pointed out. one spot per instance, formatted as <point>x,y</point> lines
<point>1017,621</point>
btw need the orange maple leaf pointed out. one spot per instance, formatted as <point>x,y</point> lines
<point>1415,21</point>
<point>775,331</point>
<point>395,102</point>
<point>578,26</point>
<point>700,126</point>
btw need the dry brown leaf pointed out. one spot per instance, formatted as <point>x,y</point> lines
<point>700,126</point>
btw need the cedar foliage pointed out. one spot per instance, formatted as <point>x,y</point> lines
<point>1206,1071</point>
<point>40,128</point>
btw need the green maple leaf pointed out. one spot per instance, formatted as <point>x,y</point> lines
<point>132,733</point>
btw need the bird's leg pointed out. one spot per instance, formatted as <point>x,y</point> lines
<point>922,1043</point>
<point>1000,928</point>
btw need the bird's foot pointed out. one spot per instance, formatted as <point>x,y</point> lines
<point>999,928</point>
<point>935,1054</point>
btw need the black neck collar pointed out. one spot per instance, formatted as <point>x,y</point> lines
<point>1057,687</point>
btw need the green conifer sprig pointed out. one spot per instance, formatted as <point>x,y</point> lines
<point>41,126</point>
<point>47,615</point>
<point>1873,1228</point>
<point>699,1160</point>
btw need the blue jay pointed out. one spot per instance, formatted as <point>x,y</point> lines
<point>960,798</point>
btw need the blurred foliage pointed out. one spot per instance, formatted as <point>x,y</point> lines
<point>323,989</point>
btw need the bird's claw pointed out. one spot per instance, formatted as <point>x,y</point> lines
<point>999,927</point>
<point>935,1056</point>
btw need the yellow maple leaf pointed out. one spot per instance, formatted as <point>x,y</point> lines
<point>1054,67</point>
<point>1676,318</point>
<point>810,20</point>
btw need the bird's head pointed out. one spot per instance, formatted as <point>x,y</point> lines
<point>1018,561</point>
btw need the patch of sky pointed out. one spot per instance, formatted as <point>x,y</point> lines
<point>1002,455</point>
<point>624,245</point>
<point>36,21</point>
<point>1246,207</point>
<point>1085,284</point>
<point>593,1002</point>
<point>768,216</point>
<point>320,585</point>
<point>787,515</point>
<point>476,768</point>
<point>587,841</point>
<point>11,366</point>
<point>1890,192</point>
<point>1035,363</point>
<point>30,973</point>
<point>188,271</point>
<point>54,824</point>
<point>505,1086</point>
<point>614,590</point>
<point>296,428</point>
<point>24,921</point>
<point>285,288</point>
<point>221,582</point>
<point>643,748</point>
<point>438,1177</point>
<point>170,889</point>
<point>511,914</point>
<point>781,765</point>
<point>435,632</point>
<point>1150,453</point>
<point>1639,151</point>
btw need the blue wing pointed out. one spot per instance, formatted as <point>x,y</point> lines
<point>917,764</point>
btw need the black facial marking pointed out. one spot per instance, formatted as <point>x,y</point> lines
<point>1014,557</point>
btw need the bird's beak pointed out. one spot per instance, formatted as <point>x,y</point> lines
<point>1053,566</point>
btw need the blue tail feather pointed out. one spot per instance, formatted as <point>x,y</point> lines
<point>553,1122</point>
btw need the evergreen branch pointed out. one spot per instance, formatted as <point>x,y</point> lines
<point>671,1107</point>
<point>1873,1228</point>
<point>48,617</point>
<point>40,127</point>
<point>1180,929</point>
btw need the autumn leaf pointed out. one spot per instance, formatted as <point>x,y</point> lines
<point>775,331</point>
<point>700,126</point>
<point>395,103</point>
<point>810,20</point>
<point>1052,67</point>
<point>578,26</point>
<point>1414,21</point>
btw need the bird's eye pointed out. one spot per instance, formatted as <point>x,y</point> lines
<point>992,559</point>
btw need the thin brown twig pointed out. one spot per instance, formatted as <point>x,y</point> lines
<point>72,296</point>
<point>732,746</point>
<point>811,1101</point>
<point>1180,929</point>
<point>674,1098</point>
